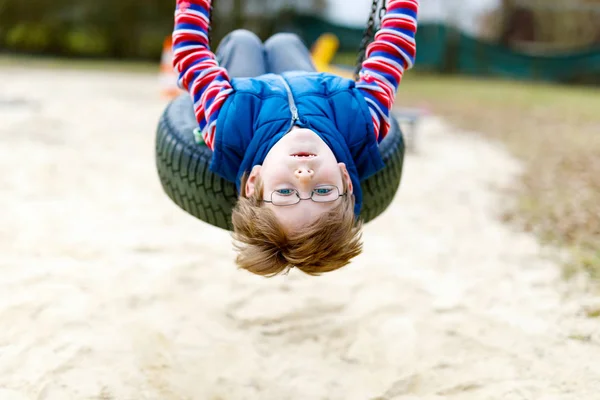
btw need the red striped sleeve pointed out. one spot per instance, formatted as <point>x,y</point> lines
<point>391,54</point>
<point>199,72</point>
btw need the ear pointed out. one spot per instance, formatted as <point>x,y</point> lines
<point>251,182</point>
<point>346,177</point>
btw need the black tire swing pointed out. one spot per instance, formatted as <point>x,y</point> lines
<point>183,164</point>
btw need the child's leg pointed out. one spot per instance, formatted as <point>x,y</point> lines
<point>242,54</point>
<point>286,52</point>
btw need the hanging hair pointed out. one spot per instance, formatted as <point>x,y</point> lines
<point>265,248</point>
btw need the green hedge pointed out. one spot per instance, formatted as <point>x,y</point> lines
<point>131,29</point>
<point>104,28</point>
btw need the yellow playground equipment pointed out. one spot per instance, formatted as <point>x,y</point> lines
<point>323,51</point>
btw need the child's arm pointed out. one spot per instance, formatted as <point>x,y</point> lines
<point>199,72</point>
<point>392,52</point>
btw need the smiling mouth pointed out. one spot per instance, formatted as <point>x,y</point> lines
<point>303,155</point>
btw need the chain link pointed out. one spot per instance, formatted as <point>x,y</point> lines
<point>382,11</point>
<point>210,22</point>
<point>369,33</point>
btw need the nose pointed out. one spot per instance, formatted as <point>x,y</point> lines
<point>304,174</point>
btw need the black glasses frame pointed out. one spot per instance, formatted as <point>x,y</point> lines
<point>308,198</point>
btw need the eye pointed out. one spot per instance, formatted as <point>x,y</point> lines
<point>285,192</point>
<point>324,191</point>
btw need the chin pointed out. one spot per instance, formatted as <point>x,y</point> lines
<point>304,134</point>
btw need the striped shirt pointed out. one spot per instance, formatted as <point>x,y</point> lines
<point>392,53</point>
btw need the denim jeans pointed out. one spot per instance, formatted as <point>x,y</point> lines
<point>244,55</point>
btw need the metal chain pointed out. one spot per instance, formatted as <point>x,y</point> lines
<point>210,22</point>
<point>369,34</point>
<point>382,11</point>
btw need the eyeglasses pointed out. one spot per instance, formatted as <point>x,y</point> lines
<point>289,197</point>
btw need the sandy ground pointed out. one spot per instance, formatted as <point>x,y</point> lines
<point>109,291</point>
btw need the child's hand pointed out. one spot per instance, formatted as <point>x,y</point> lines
<point>199,138</point>
<point>183,5</point>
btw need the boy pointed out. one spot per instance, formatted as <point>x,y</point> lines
<point>296,142</point>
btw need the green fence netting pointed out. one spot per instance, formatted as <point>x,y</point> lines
<point>444,49</point>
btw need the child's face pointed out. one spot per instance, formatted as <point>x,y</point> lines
<point>301,162</point>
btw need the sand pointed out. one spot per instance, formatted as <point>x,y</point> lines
<point>109,291</point>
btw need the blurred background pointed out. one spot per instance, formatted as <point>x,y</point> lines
<point>524,73</point>
<point>549,39</point>
<point>111,291</point>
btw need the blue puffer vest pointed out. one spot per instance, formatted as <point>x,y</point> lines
<point>261,110</point>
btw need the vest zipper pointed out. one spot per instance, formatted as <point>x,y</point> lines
<point>292,103</point>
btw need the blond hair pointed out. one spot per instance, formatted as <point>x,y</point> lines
<point>265,248</point>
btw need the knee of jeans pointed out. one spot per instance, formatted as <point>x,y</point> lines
<point>283,40</point>
<point>244,38</point>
